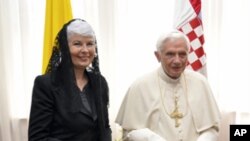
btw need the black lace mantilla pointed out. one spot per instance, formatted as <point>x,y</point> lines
<point>60,53</point>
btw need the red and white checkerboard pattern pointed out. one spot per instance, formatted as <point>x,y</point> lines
<point>194,31</point>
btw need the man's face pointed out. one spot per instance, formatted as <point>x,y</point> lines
<point>173,57</point>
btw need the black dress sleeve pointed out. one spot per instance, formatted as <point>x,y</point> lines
<point>41,113</point>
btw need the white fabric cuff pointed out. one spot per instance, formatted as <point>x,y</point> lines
<point>209,135</point>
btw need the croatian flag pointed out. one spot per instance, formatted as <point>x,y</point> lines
<point>188,20</point>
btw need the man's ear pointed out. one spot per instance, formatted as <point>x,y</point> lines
<point>157,55</point>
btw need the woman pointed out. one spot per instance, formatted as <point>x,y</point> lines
<point>69,102</point>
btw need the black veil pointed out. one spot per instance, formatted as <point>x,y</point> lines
<point>60,52</point>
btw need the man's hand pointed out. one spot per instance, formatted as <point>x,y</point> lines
<point>144,134</point>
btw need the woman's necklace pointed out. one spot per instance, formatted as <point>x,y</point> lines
<point>176,114</point>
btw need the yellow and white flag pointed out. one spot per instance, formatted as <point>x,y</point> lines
<point>58,12</point>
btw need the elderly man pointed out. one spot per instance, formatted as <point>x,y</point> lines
<point>170,103</point>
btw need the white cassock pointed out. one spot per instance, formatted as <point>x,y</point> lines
<point>150,100</point>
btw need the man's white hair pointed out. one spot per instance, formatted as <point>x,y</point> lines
<point>174,34</point>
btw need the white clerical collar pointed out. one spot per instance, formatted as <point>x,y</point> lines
<point>166,78</point>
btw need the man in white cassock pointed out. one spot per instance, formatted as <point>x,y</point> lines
<point>171,103</point>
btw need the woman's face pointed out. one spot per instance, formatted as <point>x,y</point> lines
<point>82,50</point>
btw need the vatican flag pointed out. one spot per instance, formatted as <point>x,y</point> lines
<point>58,12</point>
